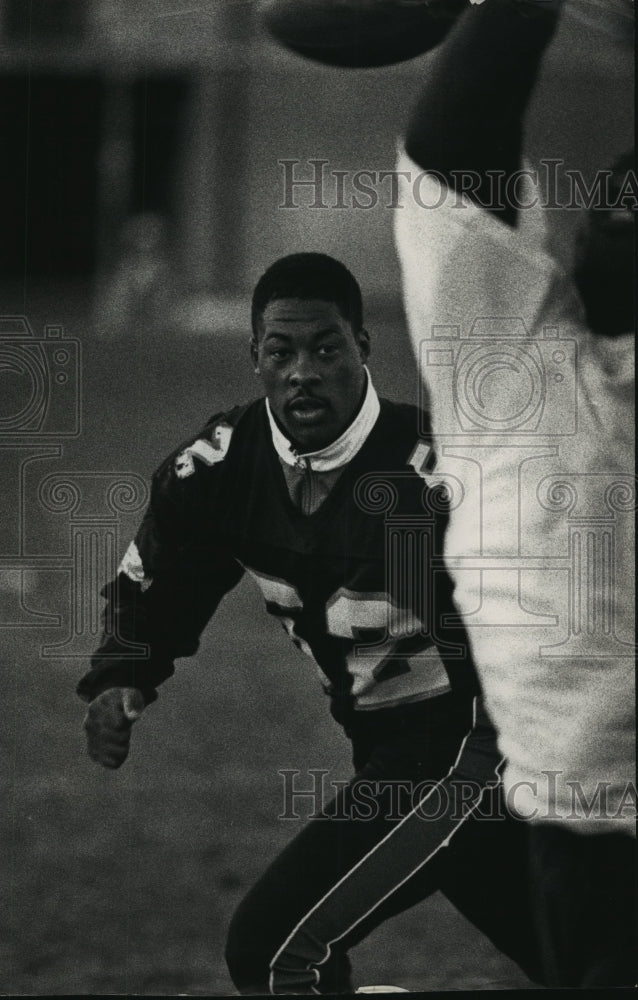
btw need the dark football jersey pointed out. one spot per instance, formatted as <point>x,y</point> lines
<point>359,585</point>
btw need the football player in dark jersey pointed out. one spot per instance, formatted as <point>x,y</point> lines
<point>325,495</point>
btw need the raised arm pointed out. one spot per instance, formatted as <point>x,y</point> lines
<point>468,123</point>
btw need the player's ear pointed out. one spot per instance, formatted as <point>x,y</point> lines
<point>254,354</point>
<point>363,340</point>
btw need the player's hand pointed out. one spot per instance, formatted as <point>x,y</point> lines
<point>108,724</point>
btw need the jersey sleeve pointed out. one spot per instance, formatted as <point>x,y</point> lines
<point>171,579</point>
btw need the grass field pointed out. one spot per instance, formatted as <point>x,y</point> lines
<point>124,882</point>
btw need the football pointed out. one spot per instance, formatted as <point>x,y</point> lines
<point>359,33</point>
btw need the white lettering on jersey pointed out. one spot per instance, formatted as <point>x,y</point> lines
<point>184,465</point>
<point>426,677</point>
<point>286,597</point>
<point>133,567</point>
<point>277,591</point>
<point>419,458</point>
<point>348,612</point>
<point>210,452</point>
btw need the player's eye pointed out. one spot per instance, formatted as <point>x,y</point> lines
<point>328,350</point>
<point>279,354</point>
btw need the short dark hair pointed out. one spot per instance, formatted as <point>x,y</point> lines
<point>309,276</point>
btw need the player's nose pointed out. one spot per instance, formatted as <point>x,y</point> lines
<point>304,372</point>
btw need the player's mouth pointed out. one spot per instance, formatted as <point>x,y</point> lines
<point>307,409</point>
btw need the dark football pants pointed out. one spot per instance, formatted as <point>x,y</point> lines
<point>343,875</point>
<point>586,906</point>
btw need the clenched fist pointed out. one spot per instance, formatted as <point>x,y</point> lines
<point>108,724</point>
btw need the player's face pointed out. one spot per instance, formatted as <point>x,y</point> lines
<point>311,363</point>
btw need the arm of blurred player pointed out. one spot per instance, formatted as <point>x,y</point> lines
<point>468,122</point>
<point>468,252</point>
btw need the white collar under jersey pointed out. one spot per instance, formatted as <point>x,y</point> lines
<point>341,451</point>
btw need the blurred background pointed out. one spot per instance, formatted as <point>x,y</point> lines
<point>142,194</point>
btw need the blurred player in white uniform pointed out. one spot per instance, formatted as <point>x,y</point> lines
<point>530,375</point>
<point>530,372</point>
